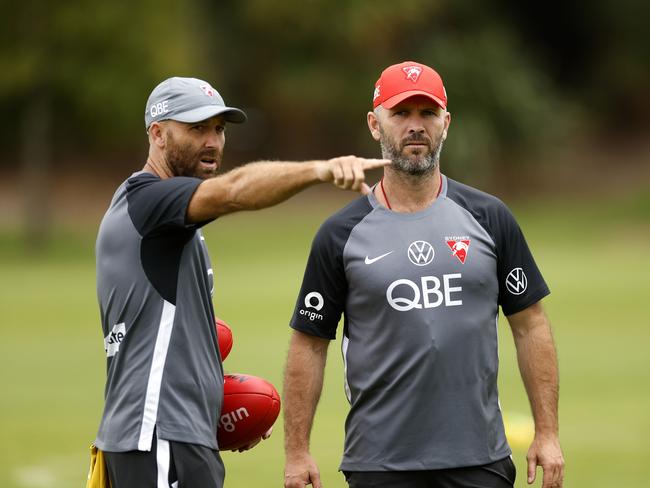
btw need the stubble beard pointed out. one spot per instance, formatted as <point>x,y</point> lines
<point>415,164</point>
<point>185,160</point>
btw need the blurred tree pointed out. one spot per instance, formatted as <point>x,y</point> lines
<point>597,52</point>
<point>73,72</point>
<point>311,65</point>
<point>521,78</point>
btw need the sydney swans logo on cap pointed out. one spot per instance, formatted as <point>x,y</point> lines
<point>208,90</point>
<point>412,73</point>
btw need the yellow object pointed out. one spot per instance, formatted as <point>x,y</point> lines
<point>520,429</point>
<point>97,475</point>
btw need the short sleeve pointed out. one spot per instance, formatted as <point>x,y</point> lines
<point>159,205</point>
<point>520,281</point>
<point>322,295</point>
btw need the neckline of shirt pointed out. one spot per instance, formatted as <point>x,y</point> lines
<point>408,215</point>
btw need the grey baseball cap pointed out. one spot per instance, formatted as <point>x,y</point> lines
<point>188,100</point>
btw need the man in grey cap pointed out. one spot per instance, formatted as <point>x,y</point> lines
<point>164,383</point>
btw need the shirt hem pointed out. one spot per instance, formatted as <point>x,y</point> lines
<point>311,329</point>
<point>422,465</point>
<point>534,297</point>
<point>161,434</point>
<point>170,435</point>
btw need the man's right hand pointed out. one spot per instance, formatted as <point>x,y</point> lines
<point>300,471</point>
<point>348,172</point>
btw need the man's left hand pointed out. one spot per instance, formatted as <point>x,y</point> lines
<point>265,436</point>
<point>545,451</point>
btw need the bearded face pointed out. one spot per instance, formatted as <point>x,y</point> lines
<point>415,154</point>
<point>189,158</point>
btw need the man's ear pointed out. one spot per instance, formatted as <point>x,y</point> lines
<point>373,125</point>
<point>157,134</point>
<point>447,122</point>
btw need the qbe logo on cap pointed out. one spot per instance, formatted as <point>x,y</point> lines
<point>159,108</point>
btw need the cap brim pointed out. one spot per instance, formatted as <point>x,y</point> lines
<point>231,114</point>
<point>400,97</point>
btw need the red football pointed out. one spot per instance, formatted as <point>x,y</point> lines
<point>250,407</point>
<point>224,335</point>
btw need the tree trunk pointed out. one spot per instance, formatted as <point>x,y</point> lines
<point>36,154</point>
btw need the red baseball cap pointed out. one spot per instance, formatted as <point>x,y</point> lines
<point>408,79</point>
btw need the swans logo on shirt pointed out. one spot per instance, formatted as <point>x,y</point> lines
<point>459,247</point>
<point>313,300</point>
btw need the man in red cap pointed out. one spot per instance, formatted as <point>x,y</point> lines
<point>419,268</point>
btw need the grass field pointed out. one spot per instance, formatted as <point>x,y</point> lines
<point>595,258</point>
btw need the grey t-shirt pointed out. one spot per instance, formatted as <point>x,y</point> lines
<point>420,293</point>
<point>154,285</point>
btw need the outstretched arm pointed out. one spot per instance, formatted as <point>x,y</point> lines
<point>303,382</point>
<point>263,184</point>
<point>537,359</point>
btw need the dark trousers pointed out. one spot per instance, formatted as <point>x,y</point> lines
<point>168,464</point>
<point>500,474</point>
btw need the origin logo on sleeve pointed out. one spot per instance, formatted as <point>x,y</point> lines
<point>313,300</point>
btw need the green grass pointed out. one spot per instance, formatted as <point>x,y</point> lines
<point>595,258</point>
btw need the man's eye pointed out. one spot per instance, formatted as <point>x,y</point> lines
<point>198,127</point>
<point>220,129</point>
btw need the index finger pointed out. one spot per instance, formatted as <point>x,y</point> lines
<point>374,163</point>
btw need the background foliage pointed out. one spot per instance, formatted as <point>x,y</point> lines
<point>522,79</point>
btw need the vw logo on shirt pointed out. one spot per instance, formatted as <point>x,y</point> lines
<point>421,253</point>
<point>516,281</point>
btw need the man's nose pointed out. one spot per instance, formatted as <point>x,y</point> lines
<point>416,128</point>
<point>213,140</point>
<point>416,125</point>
